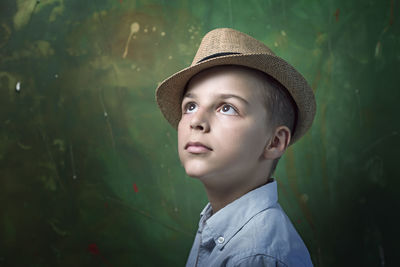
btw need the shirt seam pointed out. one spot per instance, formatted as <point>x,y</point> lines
<point>259,254</point>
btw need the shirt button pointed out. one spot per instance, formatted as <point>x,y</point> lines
<point>220,240</point>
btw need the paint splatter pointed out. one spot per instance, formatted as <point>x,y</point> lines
<point>134,29</point>
<point>94,249</point>
<point>135,188</point>
<point>336,14</point>
<point>18,87</point>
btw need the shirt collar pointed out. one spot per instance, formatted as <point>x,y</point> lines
<point>225,223</point>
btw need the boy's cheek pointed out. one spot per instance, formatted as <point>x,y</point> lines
<point>182,138</point>
<point>182,122</point>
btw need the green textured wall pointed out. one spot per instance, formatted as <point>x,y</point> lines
<point>89,170</point>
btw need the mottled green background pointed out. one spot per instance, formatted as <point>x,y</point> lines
<point>89,170</point>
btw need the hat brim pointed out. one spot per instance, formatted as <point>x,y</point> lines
<point>169,93</point>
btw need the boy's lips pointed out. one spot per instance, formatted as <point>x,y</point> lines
<point>197,147</point>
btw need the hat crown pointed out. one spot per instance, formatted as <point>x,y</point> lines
<point>226,40</point>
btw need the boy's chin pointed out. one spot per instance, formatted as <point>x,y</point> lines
<point>195,171</point>
<point>194,174</point>
<point>206,177</point>
<point>204,171</point>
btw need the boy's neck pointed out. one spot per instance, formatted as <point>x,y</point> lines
<point>220,198</point>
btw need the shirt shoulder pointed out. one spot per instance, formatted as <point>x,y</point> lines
<point>269,238</point>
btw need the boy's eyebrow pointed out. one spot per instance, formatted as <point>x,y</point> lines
<point>223,96</point>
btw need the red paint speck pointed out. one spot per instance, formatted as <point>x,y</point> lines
<point>94,249</point>
<point>120,1</point>
<point>336,14</point>
<point>106,205</point>
<point>298,220</point>
<point>135,188</point>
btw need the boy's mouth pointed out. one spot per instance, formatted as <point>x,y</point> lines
<point>197,147</point>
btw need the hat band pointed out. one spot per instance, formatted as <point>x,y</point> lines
<point>218,55</point>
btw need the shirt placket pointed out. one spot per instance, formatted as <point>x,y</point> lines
<point>198,251</point>
<point>203,249</point>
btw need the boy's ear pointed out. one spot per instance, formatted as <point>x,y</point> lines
<point>278,143</point>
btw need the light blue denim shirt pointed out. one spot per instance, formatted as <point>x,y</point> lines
<point>253,230</point>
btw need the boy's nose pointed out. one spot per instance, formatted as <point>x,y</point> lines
<point>199,122</point>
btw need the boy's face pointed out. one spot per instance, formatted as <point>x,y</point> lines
<point>223,109</point>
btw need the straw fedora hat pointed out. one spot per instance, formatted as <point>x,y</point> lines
<point>225,46</point>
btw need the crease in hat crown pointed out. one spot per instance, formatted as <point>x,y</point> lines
<point>222,40</point>
<point>226,46</point>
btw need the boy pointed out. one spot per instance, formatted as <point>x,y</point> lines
<point>236,109</point>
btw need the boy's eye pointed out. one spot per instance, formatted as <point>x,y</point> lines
<point>190,107</point>
<point>228,110</point>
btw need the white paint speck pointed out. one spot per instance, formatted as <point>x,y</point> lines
<point>18,86</point>
<point>135,27</point>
